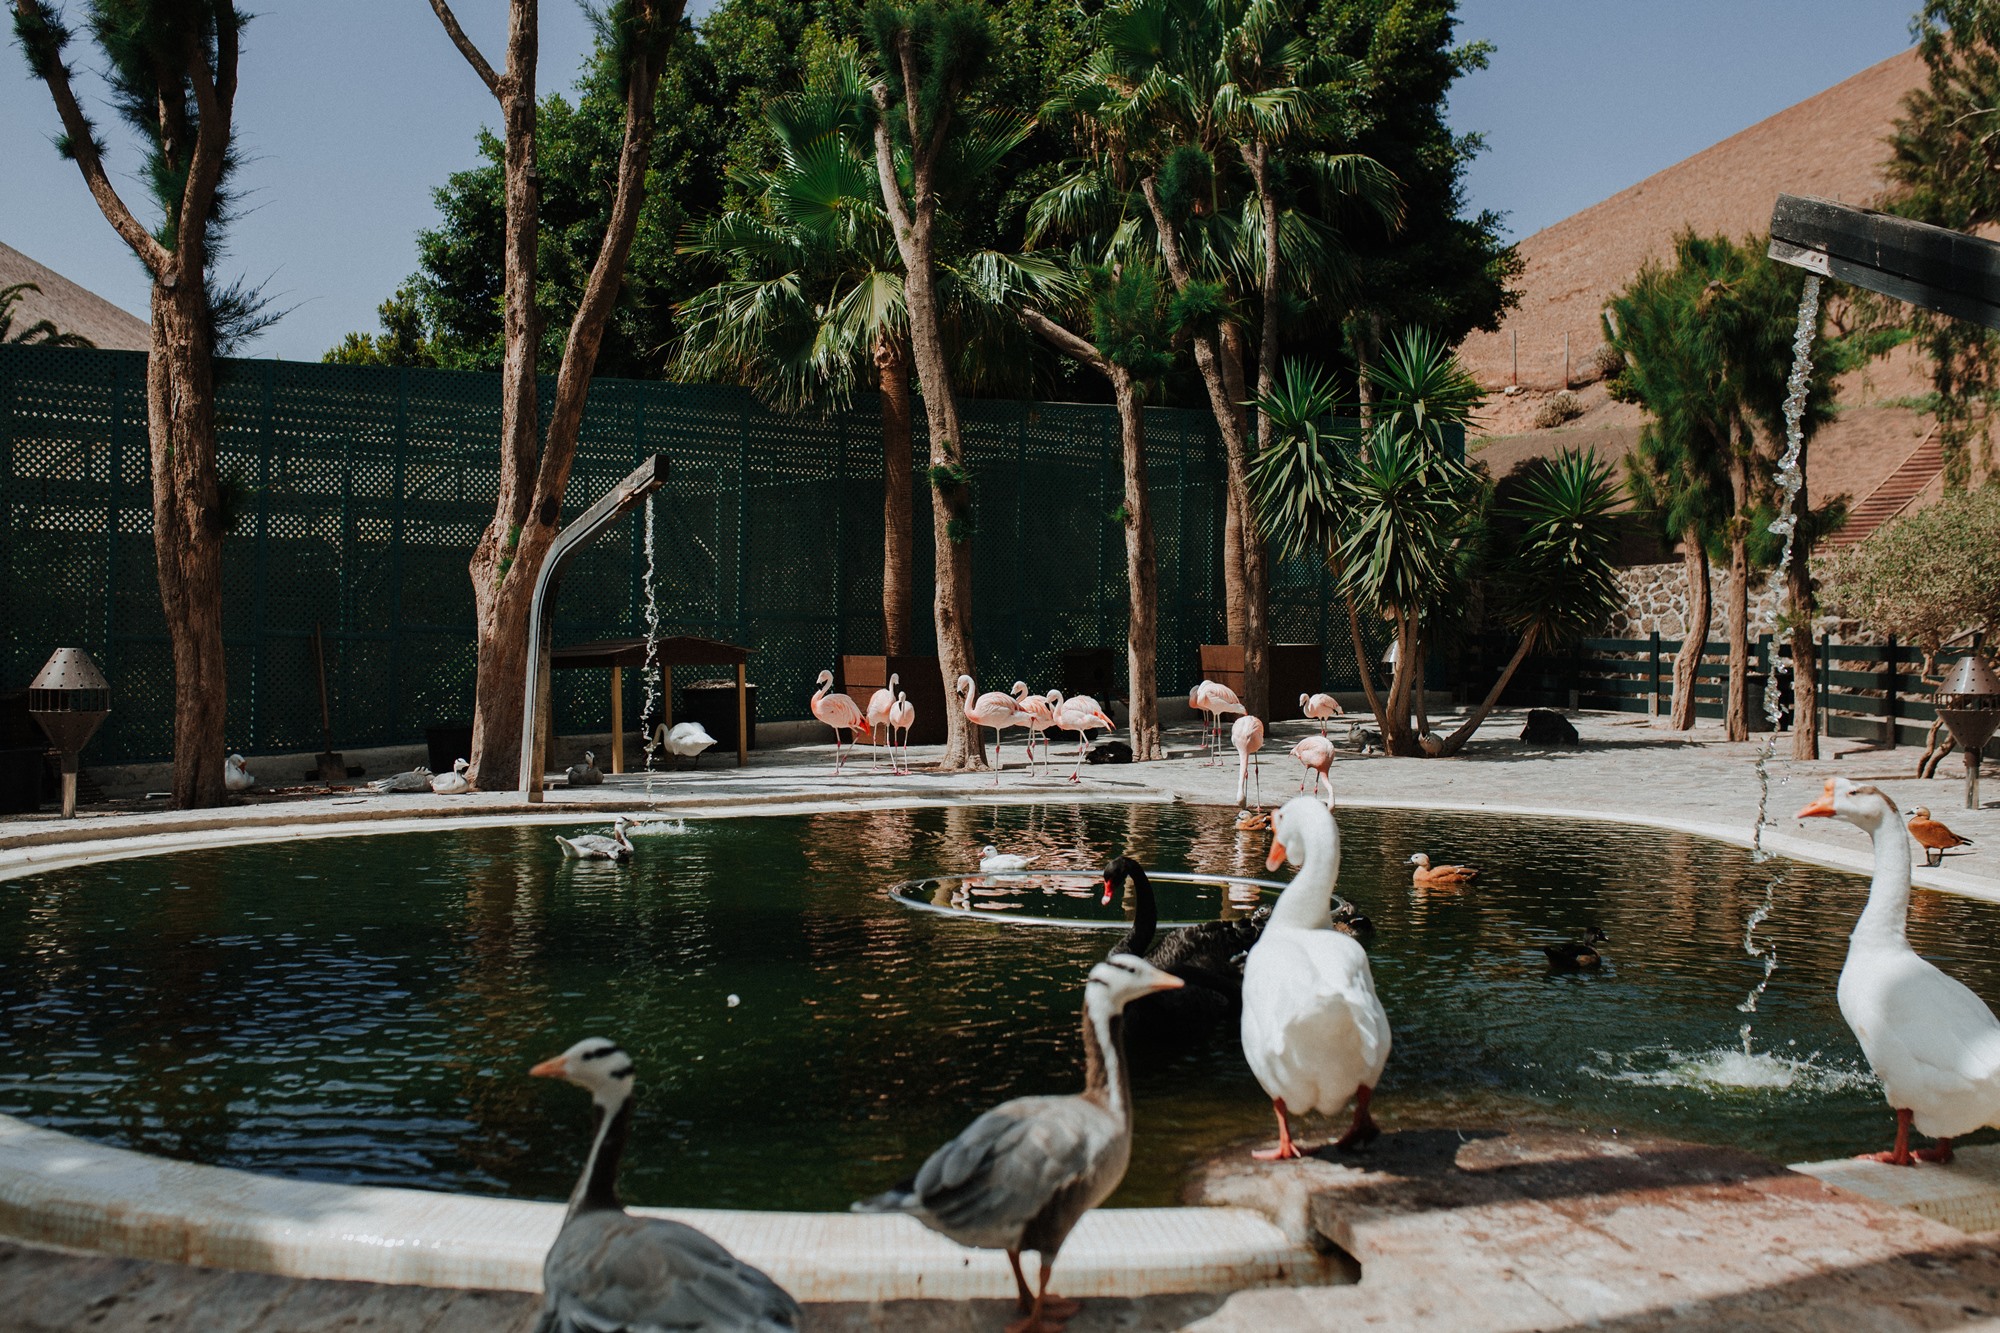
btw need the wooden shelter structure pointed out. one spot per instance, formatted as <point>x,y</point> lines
<point>668,653</point>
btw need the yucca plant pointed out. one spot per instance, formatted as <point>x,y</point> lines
<point>1554,565</point>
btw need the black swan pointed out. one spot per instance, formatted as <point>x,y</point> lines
<point>1208,957</point>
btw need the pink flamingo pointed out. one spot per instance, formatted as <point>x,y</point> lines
<point>1248,738</point>
<point>1216,701</point>
<point>1040,710</point>
<point>839,712</point>
<point>1316,753</point>
<point>1320,707</point>
<point>902,716</point>
<point>879,705</point>
<point>992,709</point>
<point>1080,713</point>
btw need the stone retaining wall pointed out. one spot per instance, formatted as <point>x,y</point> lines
<point>1656,600</point>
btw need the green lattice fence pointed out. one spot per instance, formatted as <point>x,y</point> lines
<point>354,495</point>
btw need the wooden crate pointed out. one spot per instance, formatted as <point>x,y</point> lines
<point>862,674</point>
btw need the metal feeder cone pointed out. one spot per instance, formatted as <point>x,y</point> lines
<point>69,699</point>
<point>1969,703</point>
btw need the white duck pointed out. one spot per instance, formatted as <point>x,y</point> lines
<point>585,774</point>
<point>993,861</point>
<point>454,783</point>
<point>597,847</point>
<point>235,777</point>
<point>1314,1033</point>
<point>686,740</point>
<point>1934,1044</point>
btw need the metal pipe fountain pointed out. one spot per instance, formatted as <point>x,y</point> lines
<point>619,501</point>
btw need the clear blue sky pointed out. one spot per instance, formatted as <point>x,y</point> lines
<point>352,111</point>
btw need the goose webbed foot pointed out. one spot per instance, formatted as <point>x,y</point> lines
<point>1287,1150</point>
<point>1045,1313</point>
<point>1900,1154</point>
<point>1941,1154</point>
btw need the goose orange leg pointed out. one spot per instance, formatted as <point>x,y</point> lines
<point>1364,1129</point>
<point>1900,1154</point>
<point>1046,1313</point>
<point>1286,1149</point>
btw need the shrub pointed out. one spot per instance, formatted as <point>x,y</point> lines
<point>1601,362</point>
<point>1556,409</point>
<point>1929,577</point>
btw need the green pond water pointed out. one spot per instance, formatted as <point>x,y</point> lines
<point>365,1009</point>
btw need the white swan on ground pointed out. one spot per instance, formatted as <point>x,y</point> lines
<point>597,847</point>
<point>1314,1032</point>
<point>686,740</point>
<point>1934,1043</point>
<point>454,783</point>
<point>235,777</point>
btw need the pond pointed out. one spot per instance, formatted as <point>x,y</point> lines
<point>364,1009</point>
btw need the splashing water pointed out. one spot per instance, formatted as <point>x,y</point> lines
<point>1726,1068</point>
<point>650,672</point>
<point>1790,478</point>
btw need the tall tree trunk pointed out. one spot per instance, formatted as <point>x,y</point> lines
<point>1736,707</point>
<point>1142,572</point>
<point>1687,661</point>
<point>892,368</point>
<point>913,218</point>
<point>1398,738</point>
<point>1805,664</point>
<point>1218,355</point>
<point>527,512</point>
<point>193,156</point>
<point>187,534</point>
<point>1142,568</point>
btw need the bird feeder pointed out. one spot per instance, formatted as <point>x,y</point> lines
<point>69,700</point>
<point>1969,703</point>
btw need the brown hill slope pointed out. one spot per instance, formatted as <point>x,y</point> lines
<point>74,309</point>
<point>1828,145</point>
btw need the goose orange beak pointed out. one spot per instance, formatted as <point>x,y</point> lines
<point>1823,807</point>
<point>1171,982</point>
<point>552,1067</point>
<point>1277,856</point>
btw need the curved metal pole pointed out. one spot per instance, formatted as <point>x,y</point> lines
<point>648,477</point>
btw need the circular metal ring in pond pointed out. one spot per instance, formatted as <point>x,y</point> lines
<point>1071,898</point>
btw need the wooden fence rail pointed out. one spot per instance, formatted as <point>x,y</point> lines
<point>1871,691</point>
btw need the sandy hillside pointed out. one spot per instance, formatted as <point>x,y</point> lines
<point>1829,145</point>
<point>74,309</point>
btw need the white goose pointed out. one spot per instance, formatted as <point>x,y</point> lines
<point>1314,1033</point>
<point>454,783</point>
<point>1934,1044</point>
<point>235,776</point>
<point>597,847</point>
<point>993,861</point>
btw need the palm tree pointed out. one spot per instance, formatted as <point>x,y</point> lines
<point>1173,93</point>
<point>41,333</point>
<point>1554,567</point>
<point>1397,516</point>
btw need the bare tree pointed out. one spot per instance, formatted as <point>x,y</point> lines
<point>172,70</point>
<point>535,464</point>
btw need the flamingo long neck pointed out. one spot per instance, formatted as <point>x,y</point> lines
<point>824,686</point>
<point>597,1188</point>
<point>1888,910</point>
<point>1106,1081</point>
<point>1307,902</point>
<point>971,688</point>
<point>1243,773</point>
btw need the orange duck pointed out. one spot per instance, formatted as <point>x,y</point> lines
<point>1427,875</point>
<point>1932,836</point>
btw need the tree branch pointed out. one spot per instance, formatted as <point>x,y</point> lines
<point>465,47</point>
<point>211,150</point>
<point>83,148</point>
<point>1456,741</point>
<point>1066,342</point>
<point>885,167</point>
<point>1170,245</point>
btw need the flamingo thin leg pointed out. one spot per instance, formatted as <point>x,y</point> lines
<point>1286,1149</point>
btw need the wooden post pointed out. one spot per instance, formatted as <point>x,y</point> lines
<point>617,719</point>
<point>1889,701</point>
<point>1565,358</point>
<point>666,698</point>
<point>1825,683</point>
<point>1514,348</point>
<point>1654,698</point>
<point>742,720</point>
